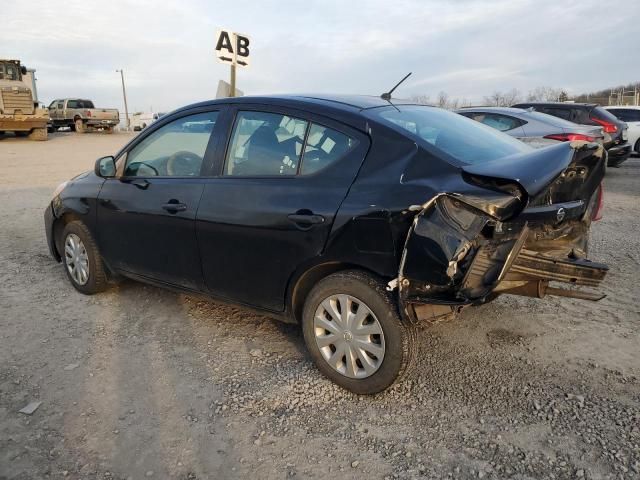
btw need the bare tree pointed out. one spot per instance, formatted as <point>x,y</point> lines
<point>563,96</point>
<point>443,100</point>
<point>421,99</point>
<point>503,99</point>
<point>544,94</point>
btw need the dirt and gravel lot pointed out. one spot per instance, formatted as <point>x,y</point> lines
<point>140,382</point>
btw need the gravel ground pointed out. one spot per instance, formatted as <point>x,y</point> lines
<point>140,382</point>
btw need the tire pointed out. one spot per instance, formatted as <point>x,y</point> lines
<point>38,134</point>
<point>108,130</point>
<point>96,278</point>
<point>637,147</point>
<point>396,342</point>
<point>80,126</point>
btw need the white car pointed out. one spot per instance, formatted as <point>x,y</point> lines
<point>140,121</point>
<point>631,115</point>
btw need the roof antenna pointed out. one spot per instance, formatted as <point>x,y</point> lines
<point>387,95</point>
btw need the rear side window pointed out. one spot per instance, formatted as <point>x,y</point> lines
<point>265,144</point>
<point>460,138</point>
<point>324,146</point>
<point>271,144</point>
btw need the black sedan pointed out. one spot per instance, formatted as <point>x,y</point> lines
<point>356,217</point>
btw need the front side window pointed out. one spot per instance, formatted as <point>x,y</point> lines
<point>176,149</point>
<point>461,138</point>
<point>265,144</point>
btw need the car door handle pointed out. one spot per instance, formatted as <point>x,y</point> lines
<point>174,207</point>
<point>306,219</point>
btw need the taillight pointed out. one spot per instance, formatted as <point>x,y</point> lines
<point>569,137</point>
<point>597,212</point>
<point>88,113</point>
<point>608,127</point>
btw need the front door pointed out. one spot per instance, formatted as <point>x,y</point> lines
<point>146,217</point>
<point>282,180</point>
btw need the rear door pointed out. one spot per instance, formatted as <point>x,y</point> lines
<point>146,217</point>
<point>281,178</point>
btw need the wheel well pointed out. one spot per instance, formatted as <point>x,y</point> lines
<point>77,117</point>
<point>58,227</point>
<point>305,282</point>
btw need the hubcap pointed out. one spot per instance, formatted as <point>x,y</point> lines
<point>349,336</point>
<point>76,259</point>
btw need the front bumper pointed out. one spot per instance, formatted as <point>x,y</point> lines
<point>49,219</point>
<point>22,123</point>
<point>618,154</point>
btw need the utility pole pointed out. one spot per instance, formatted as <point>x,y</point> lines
<point>232,90</point>
<point>124,94</point>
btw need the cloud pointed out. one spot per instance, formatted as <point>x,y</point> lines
<point>467,48</point>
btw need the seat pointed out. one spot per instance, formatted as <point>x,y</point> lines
<point>264,154</point>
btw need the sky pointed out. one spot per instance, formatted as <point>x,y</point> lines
<point>467,48</point>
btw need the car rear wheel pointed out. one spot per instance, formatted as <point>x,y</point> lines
<point>80,127</point>
<point>82,260</point>
<point>354,333</point>
<point>637,147</point>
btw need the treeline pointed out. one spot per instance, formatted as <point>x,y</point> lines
<point>497,98</point>
<point>539,94</point>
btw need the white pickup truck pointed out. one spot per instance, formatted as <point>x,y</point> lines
<point>80,115</point>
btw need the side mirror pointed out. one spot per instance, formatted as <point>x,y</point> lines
<point>105,167</point>
<point>23,70</point>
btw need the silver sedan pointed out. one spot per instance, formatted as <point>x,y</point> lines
<point>535,128</point>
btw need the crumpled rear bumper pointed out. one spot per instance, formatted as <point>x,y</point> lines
<point>456,255</point>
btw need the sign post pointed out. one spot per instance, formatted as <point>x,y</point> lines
<point>232,48</point>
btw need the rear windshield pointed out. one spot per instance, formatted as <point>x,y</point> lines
<point>603,114</point>
<point>551,120</point>
<point>465,140</point>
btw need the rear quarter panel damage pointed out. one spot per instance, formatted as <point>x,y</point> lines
<point>461,246</point>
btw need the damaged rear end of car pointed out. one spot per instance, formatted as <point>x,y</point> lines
<point>518,225</point>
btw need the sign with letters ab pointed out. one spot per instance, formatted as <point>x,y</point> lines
<point>232,48</point>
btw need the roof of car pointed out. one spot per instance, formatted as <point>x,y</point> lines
<point>344,108</point>
<point>492,109</point>
<point>557,104</point>
<point>618,107</point>
<point>342,102</point>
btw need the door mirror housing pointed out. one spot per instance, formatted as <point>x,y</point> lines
<point>105,167</point>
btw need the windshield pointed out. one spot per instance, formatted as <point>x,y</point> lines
<point>9,71</point>
<point>461,138</point>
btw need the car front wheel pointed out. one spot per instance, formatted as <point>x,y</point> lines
<point>82,260</point>
<point>354,333</point>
